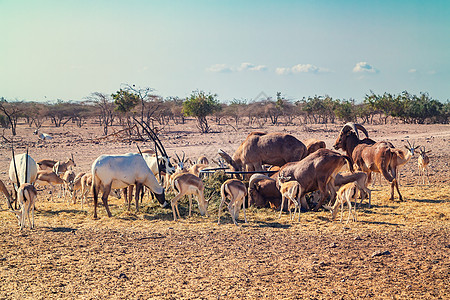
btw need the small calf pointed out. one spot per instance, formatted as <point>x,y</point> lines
<point>26,197</point>
<point>292,191</point>
<point>235,191</point>
<point>346,193</point>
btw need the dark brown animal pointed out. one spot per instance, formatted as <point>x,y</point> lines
<point>263,192</point>
<point>315,171</point>
<point>368,156</point>
<point>312,145</point>
<point>265,148</point>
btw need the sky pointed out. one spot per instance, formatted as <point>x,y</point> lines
<point>69,49</point>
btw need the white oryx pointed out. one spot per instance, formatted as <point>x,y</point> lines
<point>121,171</point>
<point>25,173</point>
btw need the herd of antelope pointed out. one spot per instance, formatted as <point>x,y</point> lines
<point>303,169</point>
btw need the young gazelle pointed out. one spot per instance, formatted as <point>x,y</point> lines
<point>346,193</point>
<point>188,184</point>
<point>26,197</point>
<point>422,163</point>
<point>76,186</point>
<point>235,191</point>
<point>4,191</point>
<point>292,191</point>
<point>45,177</point>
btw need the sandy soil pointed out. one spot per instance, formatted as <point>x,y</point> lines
<point>394,251</point>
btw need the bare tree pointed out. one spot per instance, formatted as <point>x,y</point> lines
<point>12,111</point>
<point>106,106</point>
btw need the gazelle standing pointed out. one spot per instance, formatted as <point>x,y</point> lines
<point>422,163</point>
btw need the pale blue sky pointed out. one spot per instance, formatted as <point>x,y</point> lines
<point>68,49</point>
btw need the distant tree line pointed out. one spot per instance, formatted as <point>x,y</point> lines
<point>131,101</point>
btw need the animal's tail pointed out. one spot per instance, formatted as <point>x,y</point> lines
<point>388,157</point>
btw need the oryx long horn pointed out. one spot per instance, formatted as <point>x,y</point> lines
<point>26,167</point>
<point>139,149</point>
<point>15,168</point>
<point>153,136</point>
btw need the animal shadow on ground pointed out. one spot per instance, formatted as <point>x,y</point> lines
<point>431,201</point>
<point>51,213</point>
<point>263,224</point>
<point>60,229</point>
<point>381,223</point>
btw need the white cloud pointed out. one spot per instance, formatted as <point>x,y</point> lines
<point>364,67</point>
<point>301,68</point>
<point>219,68</point>
<point>246,66</point>
<point>412,71</point>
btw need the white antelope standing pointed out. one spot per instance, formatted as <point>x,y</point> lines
<point>235,191</point>
<point>26,170</point>
<point>121,171</point>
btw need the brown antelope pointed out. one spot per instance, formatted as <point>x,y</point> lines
<point>361,180</point>
<point>4,191</point>
<point>346,193</point>
<point>235,191</point>
<point>46,177</point>
<point>26,197</point>
<point>61,167</point>
<point>76,186</point>
<point>422,163</point>
<point>292,191</point>
<point>69,178</point>
<point>404,156</point>
<point>369,156</point>
<point>188,184</point>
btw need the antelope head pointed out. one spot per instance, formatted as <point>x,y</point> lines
<point>349,129</point>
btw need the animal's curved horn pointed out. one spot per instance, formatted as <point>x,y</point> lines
<point>347,127</point>
<point>15,168</point>
<point>184,156</point>
<point>153,136</point>
<point>178,158</point>
<point>360,127</point>
<point>257,177</point>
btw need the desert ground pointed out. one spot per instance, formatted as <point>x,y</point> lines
<point>396,250</point>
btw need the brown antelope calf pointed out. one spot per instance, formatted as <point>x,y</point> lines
<point>235,191</point>
<point>26,197</point>
<point>422,163</point>
<point>346,193</point>
<point>292,191</point>
<point>76,186</point>
<point>69,178</point>
<point>45,177</point>
<point>61,167</point>
<point>188,184</point>
<point>4,191</point>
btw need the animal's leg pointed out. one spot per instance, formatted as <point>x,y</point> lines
<point>282,205</point>
<point>95,192</point>
<point>32,216</point>
<point>139,189</point>
<point>106,191</point>
<point>243,207</point>
<point>190,204</point>
<point>398,191</point>
<point>174,203</point>
<point>220,209</point>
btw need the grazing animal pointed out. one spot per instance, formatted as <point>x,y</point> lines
<point>188,184</point>
<point>312,145</point>
<point>263,192</point>
<point>292,191</point>
<point>42,136</point>
<point>26,197</point>
<point>359,178</point>
<point>120,171</point>
<point>369,156</point>
<point>69,178</point>
<point>4,191</point>
<point>235,191</point>
<point>346,193</point>
<point>46,177</point>
<point>422,163</point>
<point>46,164</point>
<point>61,167</point>
<point>76,186</point>
<point>26,170</point>
<point>265,148</point>
<point>315,171</point>
<point>203,160</point>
